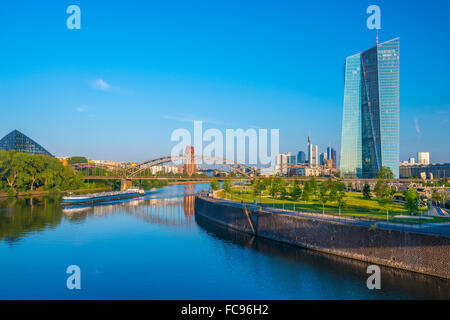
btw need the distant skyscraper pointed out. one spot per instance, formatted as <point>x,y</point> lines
<point>19,142</point>
<point>323,157</point>
<point>370,122</point>
<point>411,161</point>
<point>423,157</point>
<point>309,150</point>
<point>331,154</point>
<point>314,160</point>
<point>301,157</point>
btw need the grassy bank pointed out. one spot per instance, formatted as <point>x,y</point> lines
<point>355,206</point>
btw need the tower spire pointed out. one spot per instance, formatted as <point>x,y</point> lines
<point>377,36</point>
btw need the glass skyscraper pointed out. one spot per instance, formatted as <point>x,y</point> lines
<point>19,142</point>
<point>370,121</point>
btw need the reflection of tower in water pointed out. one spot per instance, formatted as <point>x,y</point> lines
<point>188,200</point>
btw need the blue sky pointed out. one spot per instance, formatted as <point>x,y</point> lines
<point>137,70</point>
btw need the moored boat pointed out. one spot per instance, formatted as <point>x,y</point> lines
<point>102,197</point>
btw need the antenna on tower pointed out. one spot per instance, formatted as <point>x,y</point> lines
<point>377,36</point>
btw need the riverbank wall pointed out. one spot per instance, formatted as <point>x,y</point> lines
<point>417,252</point>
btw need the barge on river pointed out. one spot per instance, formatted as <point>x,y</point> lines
<point>92,198</point>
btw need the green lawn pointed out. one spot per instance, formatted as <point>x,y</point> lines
<point>356,206</point>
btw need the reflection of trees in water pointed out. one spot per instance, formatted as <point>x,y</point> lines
<point>19,217</point>
<point>403,284</point>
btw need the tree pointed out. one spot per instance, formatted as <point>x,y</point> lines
<point>258,188</point>
<point>386,199</point>
<point>313,185</point>
<point>333,195</point>
<point>227,186</point>
<point>277,186</point>
<point>340,200</point>
<point>380,188</point>
<point>76,159</point>
<point>215,185</point>
<point>385,173</point>
<point>411,200</point>
<point>323,197</point>
<point>350,186</point>
<point>296,191</point>
<point>366,191</point>
<point>439,197</point>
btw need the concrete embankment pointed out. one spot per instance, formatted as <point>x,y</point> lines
<point>423,253</point>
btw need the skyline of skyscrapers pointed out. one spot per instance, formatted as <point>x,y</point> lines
<point>370,121</point>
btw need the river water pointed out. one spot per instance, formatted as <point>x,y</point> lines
<point>155,248</point>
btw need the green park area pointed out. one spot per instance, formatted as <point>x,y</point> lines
<point>332,197</point>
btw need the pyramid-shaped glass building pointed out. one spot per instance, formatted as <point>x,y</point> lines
<point>21,143</point>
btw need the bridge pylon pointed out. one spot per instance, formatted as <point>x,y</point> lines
<point>125,184</point>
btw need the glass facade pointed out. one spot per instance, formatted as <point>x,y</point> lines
<point>350,163</point>
<point>370,123</point>
<point>301,157</point>
<point>21,143</point>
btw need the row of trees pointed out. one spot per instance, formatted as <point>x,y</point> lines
<point>25,172</point>
<point>278,188</point>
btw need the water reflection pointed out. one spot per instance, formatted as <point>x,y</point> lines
<point>239,264</point>
<point>398,283</point>
<point>19,217</point>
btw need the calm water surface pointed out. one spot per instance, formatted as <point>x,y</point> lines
<point>155,248</point>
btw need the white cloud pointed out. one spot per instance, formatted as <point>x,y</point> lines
<point>102,85</point>
<point>416,124</point>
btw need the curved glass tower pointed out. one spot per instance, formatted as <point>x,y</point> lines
<point>370,121</point>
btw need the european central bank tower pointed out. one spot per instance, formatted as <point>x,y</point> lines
<point>370,121</point>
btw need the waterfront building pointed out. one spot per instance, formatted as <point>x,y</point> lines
<point>301,157</point>
<point>423,157</point>
<point>189,161</point>
<point>411,161</point>
<point>423,171</point>
<point>281,166</point>
<point>19,142</point>
<point>370,121</point>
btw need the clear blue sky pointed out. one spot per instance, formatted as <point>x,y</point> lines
<point>137,70</point>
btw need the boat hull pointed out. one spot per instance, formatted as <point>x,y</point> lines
<point>87,201</point>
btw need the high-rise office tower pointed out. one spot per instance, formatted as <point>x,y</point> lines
<point>370,121</point>
<point>423,157</point>
<point>314,160</point>
<point>323,157</point>
<point>331,154</point>
<point>301,157</point>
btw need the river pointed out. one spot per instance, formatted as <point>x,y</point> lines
<point>155,248</point>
